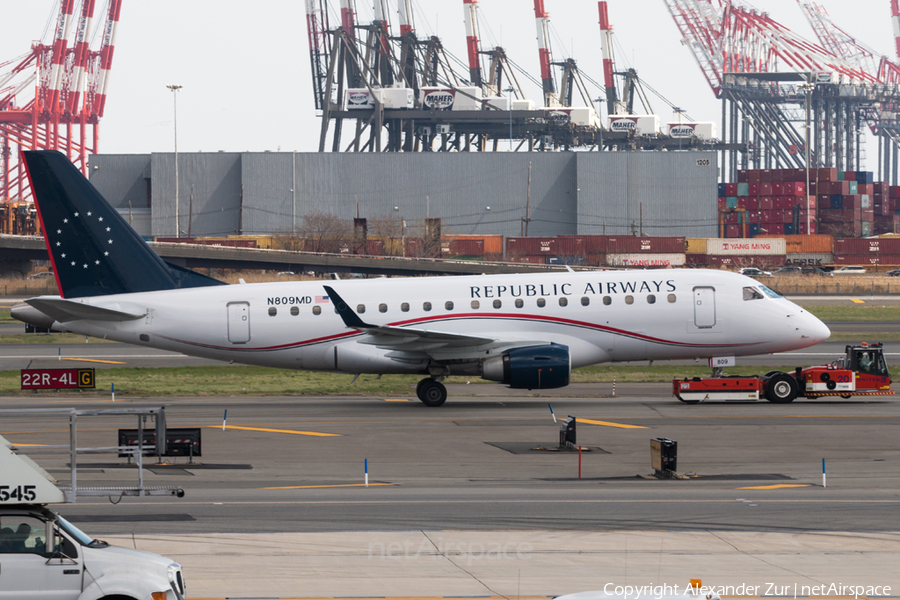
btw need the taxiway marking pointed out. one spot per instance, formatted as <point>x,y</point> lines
<point>608,424</point>
<point>776,486</point>
<point>291,431</point>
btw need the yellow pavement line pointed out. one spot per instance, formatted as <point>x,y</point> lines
<point>29,445</point>
<point>337,485</point>
<point>396,399</point>
<point>312,433</point>
<point>608,424</point>
<point>97,360</point>
<point>777,486</point>
<point>77,401</point>
<point>856,301</point>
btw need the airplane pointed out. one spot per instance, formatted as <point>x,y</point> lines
<point>527,331</point>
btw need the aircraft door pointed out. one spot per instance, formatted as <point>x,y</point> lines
<point>239,322</point>
<point>28,566</point>
<point>704,307</point>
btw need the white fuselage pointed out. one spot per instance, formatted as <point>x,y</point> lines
<point>601,316</point>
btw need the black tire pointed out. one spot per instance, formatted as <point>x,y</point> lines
<point>781,388</point>
<point>831,385</point>
<point>432,392</point>
<point>771,373</point>
<point>825,377</point>
<point>846,396</point>
<point>688,401</point>
<point>419,388</point>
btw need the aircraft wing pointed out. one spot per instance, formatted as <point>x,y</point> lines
<point>63,310</point>
<point>405,338</point>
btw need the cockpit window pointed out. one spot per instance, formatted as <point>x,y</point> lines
<point>752,294</point>
<point>769,293</point>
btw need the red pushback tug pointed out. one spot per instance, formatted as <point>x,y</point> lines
<point>862,372</point>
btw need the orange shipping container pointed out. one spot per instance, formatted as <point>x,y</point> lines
<point>806,244</point>
<point>493,244</point>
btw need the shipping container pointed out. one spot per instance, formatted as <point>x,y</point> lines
<point>645,260</point>
<point>765,262</point>
<point>809,260</point>
<point>806,244</point>
<point>461,247</point>
<point>530,246</point>
<point>651,245</point>
<point>696,260</point>
<point>695,245</point>
<point>745,247</point>
<point>864,260</point>
<point>882,246</point>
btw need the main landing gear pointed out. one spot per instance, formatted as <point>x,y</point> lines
<point>431,392</point>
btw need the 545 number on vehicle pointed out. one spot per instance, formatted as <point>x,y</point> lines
<point>22,493</point>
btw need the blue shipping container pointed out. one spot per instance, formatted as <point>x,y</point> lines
<point>743,190</point>
<point>723,189</point>
<point>837,201</point>
<point>731,202</point>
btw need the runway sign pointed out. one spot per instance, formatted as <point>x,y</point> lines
<point>58,379</point>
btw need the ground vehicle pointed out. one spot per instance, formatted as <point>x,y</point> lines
<point>847,270</point>
<point>44,557</point>
<point>754,272</point>
<point>861,372</point>
<point>894,273</point>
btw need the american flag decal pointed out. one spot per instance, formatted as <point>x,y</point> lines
<point>322,299</point>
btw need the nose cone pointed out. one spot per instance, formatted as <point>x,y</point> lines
<point>814,330</point>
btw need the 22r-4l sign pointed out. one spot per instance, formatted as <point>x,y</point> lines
<point>57,379</point>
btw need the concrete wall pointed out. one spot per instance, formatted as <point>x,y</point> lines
<point>570,192</point>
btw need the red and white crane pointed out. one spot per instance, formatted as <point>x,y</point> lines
<point>405,14</point>
<point>473,42</point>
<point>609,69</point>
<point>71,85</point>
<point>542,21</point>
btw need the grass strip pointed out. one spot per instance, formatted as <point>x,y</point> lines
<point>857,313</point>
<point>260,381</point>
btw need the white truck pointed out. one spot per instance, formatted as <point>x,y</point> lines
<point>44,557</point>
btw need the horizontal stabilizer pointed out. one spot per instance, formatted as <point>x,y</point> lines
<point>63,311</point>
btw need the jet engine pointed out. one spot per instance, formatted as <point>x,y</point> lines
<point>532,367</point>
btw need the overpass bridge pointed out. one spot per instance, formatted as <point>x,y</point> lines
<point>16,252</point>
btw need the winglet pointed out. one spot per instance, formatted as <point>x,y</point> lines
<point>350,318</point>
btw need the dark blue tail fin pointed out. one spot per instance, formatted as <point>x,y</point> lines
<point>94,251</point>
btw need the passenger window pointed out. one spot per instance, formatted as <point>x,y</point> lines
<point>519,303</point>
<point>448,305</point>
<point>273,311</point>
<point>752,294</point>
<point>475,305</point>
<point>585,301</point>
<point>23,535</point>
<point>541,303</point>
<point>651,299</point>
<point>671,298</point>
<point>426,306</point>
<point>382,308</point>
<point>404,307</point>
<point>497,303</point>
<point>317,310</point>
<point>563,301</point>
<point>295,310</point>
<point>607,300</point>
<point>360,308</point>
<point>629,299</point>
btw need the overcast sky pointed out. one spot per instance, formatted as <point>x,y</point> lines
<point>246,72</point>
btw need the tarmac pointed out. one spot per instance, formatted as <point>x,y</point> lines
<point>462,504</point>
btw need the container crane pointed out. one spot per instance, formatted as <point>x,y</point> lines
<point>542,20</point>
<point>473,42</point>
<point>71,85</point>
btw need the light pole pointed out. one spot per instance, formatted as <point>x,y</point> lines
<point>808,89</point>
<point>175,89</point>
<point>509,92</point>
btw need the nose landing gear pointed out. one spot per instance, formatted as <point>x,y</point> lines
<point>431,392</point>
